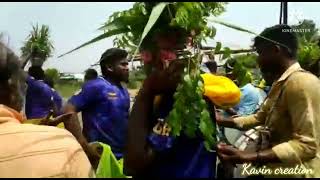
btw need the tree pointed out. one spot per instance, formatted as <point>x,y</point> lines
<point>38,47</point>
<point>312,32</point>
<point>53,73</point>
<point>185,17</point>
<point>309,49</point>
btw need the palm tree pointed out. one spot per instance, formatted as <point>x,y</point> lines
<point>38,47</point>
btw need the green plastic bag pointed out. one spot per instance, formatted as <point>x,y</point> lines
<point>109,166</point>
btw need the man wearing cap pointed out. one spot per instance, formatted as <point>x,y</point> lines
<point>105,103</point>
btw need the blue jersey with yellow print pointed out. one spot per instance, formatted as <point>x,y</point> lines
<point>105,111</point>
<point>180,157</point>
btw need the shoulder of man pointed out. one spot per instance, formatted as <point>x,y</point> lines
<point>302,76</point>
<point>54,136</point>
<point>96,84</point>
<point>78,164</point>
<point>48,129</point>
<point>303,80</point>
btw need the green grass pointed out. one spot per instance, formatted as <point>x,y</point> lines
<point>68,88</point>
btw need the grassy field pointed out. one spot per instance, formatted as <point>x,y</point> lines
<point>67,89</point>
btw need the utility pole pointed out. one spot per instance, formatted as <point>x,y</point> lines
<point>283,13</point>
<point>280,19</point>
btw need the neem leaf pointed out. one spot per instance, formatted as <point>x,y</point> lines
<point>226,53</point>
<point>217,48</point>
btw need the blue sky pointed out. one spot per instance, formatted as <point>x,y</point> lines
<point>73,23</point>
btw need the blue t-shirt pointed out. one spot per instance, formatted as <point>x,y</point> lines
<point>250,101</point>
<point>57,99</point>
<point>181,157</point>
<point>39,99</point>
<point>105,111</point>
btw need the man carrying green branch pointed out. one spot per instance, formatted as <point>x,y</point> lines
<point>290,115</point>
<point>151,150</point>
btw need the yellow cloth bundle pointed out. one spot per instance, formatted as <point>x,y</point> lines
<point>221,90</point>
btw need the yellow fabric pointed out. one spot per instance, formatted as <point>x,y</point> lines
<point>295,120</point>
<point>221,90</point>
<point>37,121</point>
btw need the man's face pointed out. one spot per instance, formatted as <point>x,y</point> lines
<point>269,60</point>
<point>121,70</point>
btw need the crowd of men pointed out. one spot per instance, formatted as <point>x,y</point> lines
<point>289,112</point>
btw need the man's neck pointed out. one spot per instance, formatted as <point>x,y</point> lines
<point>112,80</point>
<point>283,68</point>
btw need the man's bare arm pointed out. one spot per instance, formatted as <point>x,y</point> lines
<point>138,155</point>
<point>225,121</point>
<point>231,154</point>
<point>69,108</point>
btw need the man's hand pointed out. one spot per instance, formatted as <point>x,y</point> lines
<point>231,111</point>
<point>59,119</point>
<point>228,153</point>
<point>45,120</point>
<point>225,121</point>
<point>163,81</point>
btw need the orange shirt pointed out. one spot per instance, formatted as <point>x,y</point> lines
<point>38,151</point>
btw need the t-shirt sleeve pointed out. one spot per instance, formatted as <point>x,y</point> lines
<point>88,95</point>
<point>30,80</point>
<point>58,101</point>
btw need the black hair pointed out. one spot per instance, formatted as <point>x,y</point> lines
<point>49,81</point>
<point>90,74</point>
<point>282,35</point>
<point>12,79</point>
<point>37,72</point>
<point>212,66</point>
<point>111,56</point>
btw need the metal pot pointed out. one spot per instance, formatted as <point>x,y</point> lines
<point>37,61</point>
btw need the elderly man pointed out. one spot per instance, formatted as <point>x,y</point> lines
<point>32,150</point>
<point>290,114</point>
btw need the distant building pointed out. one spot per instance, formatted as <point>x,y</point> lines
<point>72,76</point>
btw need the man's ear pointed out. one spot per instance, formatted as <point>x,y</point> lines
<point>277,49</point>
<point>109,68</point>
